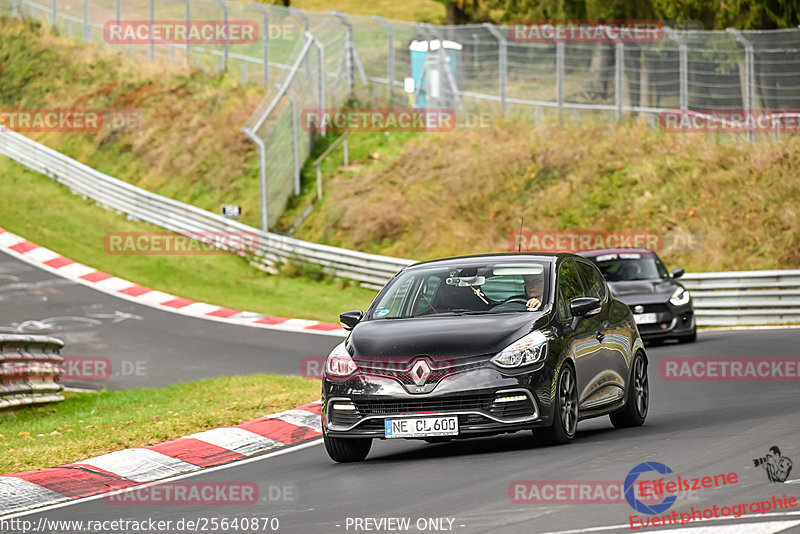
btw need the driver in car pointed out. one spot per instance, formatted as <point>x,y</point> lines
<point>534,289</point>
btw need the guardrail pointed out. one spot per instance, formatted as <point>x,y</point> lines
<point>724,298</point>
<point>745,297</point>
<point>370,269</point>
<point>29,369</point>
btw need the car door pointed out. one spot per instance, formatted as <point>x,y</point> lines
<point>582,341</point>
<point>606,370</point>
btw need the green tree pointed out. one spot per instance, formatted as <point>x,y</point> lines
<point>741,14</point>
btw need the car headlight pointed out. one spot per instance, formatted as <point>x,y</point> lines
<point>680,297</point>
<point>524,351</point>
<point>339,363</point>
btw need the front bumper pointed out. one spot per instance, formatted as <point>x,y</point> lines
<point>472,396</point>
<point>671,321</point>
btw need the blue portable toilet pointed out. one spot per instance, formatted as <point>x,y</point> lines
<point>429,91</point>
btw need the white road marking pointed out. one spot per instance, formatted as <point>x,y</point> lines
<point>141,465</point>
<point>167,480</point>
<point>16,494</point>
<point>236,439</point>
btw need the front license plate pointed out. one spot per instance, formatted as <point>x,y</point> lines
<point>421,427</point>
<point>645,318</point>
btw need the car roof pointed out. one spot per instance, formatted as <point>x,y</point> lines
<point>618,250</point>
<point>482,258</point>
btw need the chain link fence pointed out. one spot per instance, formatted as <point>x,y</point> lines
<point>312,60</point>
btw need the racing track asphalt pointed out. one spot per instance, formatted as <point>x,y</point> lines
<point>696,428</point>
<point>146,347</point>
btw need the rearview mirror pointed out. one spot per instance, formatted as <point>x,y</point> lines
<point>584,306</point>
<point>350,319</point>
<point>677,273</point>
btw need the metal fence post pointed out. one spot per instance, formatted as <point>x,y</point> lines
<point>348,48</point>
<point>683,91</point>
<point>294,140</point>
<point>748,92</point>
<point>321,80</point>
<point>262,174</point>
<point>87,30</point>
<point>15,9</point>
<point>444,62</point>
<point>502,58</point>
<point>152,23</point>
<point>265,18</point>
<point>53,13</point>
<point>560,79</point>
<point>188,30</point>
<point>227,43</point>
<point>390,57</point>
<point>304,18</point>
<point>619,78</point>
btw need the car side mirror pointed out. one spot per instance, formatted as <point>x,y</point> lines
<point>677,273</point>
<point>350,319</point>
<point>584,306</point>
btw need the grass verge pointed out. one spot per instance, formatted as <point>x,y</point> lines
<point>45,212</point>
<point>90,424</point>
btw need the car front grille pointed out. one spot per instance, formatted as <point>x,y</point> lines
<point>401,369</point>
<point>427,404</point>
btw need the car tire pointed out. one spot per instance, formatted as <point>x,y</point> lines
<point>565,410</point>
<point>691,338</point>
<point>345,450</point>
<point>638,401</point>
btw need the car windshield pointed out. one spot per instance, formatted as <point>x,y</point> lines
<point>630,266</point>
<point>469,289</point>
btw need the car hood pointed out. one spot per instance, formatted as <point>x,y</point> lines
<point>643,291</point>
<point>460,336</point>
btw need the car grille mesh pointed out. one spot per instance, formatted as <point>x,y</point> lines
<point>430,404</point>
<point>480,402</point>
<point>401,370</point>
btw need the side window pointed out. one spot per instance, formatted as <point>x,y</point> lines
<point>594,287</point>
<point>392,303</point>
<point>569,287</point>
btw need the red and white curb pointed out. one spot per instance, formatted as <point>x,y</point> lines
<point>129,467</point>
<point>56,263</point>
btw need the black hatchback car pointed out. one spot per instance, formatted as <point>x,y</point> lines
<point>480,345</point>
<point>661,306</point>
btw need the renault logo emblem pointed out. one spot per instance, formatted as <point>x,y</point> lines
<point>420,372</point>
<point>638,309</point>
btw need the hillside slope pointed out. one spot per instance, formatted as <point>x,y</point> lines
<point>465,192</point>
<point>186,142</point>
